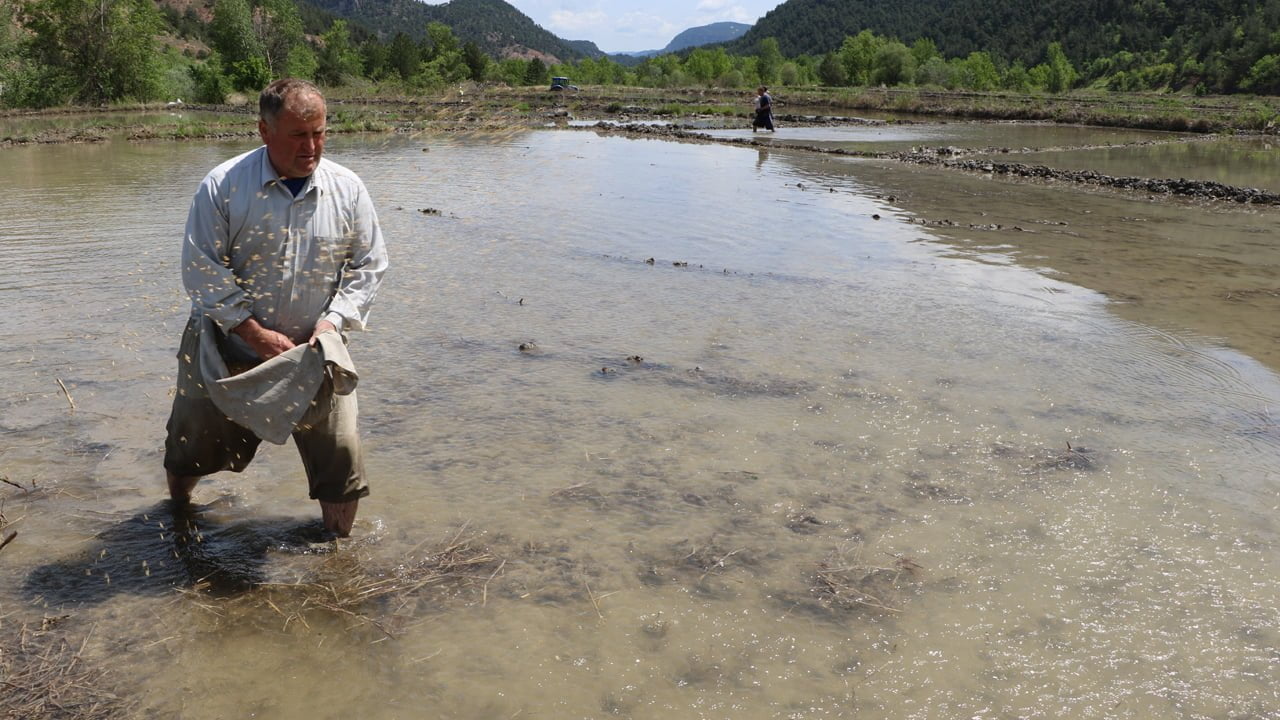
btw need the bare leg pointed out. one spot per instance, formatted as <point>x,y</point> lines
<point>339,517</point>
<point>180,486</point>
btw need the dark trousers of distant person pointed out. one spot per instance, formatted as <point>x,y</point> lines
<point>763,119</point>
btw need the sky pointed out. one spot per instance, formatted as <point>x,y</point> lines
<point>635,25</point>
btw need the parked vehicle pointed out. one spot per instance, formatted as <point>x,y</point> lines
<point>562,83</point>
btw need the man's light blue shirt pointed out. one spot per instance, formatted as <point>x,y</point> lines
<point>252,248</point>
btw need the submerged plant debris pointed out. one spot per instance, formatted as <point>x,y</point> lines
<point>846,580</point>
<point>347,585</point>
<point>43,674</point>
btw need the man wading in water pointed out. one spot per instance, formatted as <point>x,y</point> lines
<point>281,247</point>
<point>764,110</point>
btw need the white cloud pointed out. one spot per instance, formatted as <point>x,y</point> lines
<point>577,22</point>
<point>710,11</point>
<point>636,23</point>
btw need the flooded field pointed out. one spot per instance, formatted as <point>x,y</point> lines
<point>1244,161</point>
<point>892,137</point>
<point>788,437</point>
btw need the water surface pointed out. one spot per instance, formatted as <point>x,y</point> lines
<point>893,137</point>
<point>1244,161</point>
<point>1053,501</point>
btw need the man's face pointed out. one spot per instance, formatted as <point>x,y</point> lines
<point>295,140</point>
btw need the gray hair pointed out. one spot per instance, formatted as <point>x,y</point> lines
<point>276,95</point>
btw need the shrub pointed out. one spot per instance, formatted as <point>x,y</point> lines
<point>209,84</point>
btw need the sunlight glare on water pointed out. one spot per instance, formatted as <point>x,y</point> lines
<point>764,454</point>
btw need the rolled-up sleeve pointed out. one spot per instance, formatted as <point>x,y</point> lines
<point>362,273</point>
<point>206,271</point>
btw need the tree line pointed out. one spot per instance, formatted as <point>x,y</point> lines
<point>55,52</point>
<point>1206,46</point>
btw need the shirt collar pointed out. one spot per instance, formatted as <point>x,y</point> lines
<point>268,176</point>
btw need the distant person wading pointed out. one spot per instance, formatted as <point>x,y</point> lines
<point>764,110</point>
<point>282,255</point>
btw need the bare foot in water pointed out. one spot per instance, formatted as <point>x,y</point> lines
<point>339,517</point>
<point>180,487</point>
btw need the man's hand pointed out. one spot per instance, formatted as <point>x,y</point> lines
<point>323,326</point>
<point>267,343</point>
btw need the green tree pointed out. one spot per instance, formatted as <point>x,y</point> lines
<point>1264,76</point>
<point>705,66</point>
<point>1039,76</point>
<point>10,38</point>
<point>923,50</point>
<point>477,62</point>
<point>440,40</point>
<point>511,71</point>
<point>790,73</point>
<point>977,72</point>
<point>211,84</point>
<point>338,59</point>
<point>405,55</point>
<point>1062,75</point>
<point>10,47</point>
<point>231,31</point>
<point>301,62</point>
<point>1190,73</point>
<point>935,72</point>
<point>95,51</point>
<point>375,56</point>
<point>768,60</point>
<point>536,72</point>
<point>1016,78</point>
<point>1158,76</point>
<point>443,61</point>
<point>250,74</point>
<point>278,27</point>
<point>831,71</point>
<point>699,67</point>
<point>232,35</point>
<point>450,67</point>
<point>858,55</point>
<point>894,64</point>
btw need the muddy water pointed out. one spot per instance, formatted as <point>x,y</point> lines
<point>1243,161</point>
<point>1013,136</point>
<point>819,388</point>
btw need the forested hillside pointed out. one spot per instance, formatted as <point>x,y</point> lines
<point>497,27</point>
<point>101,51</point>
<point>706,34</point>
<point>1219,39</point>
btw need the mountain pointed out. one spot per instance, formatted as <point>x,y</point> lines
<point>693,37</point>
<point>706,35</point>
<point>1014,29</point>
<point>497,27</point>
<point>586,47</point>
